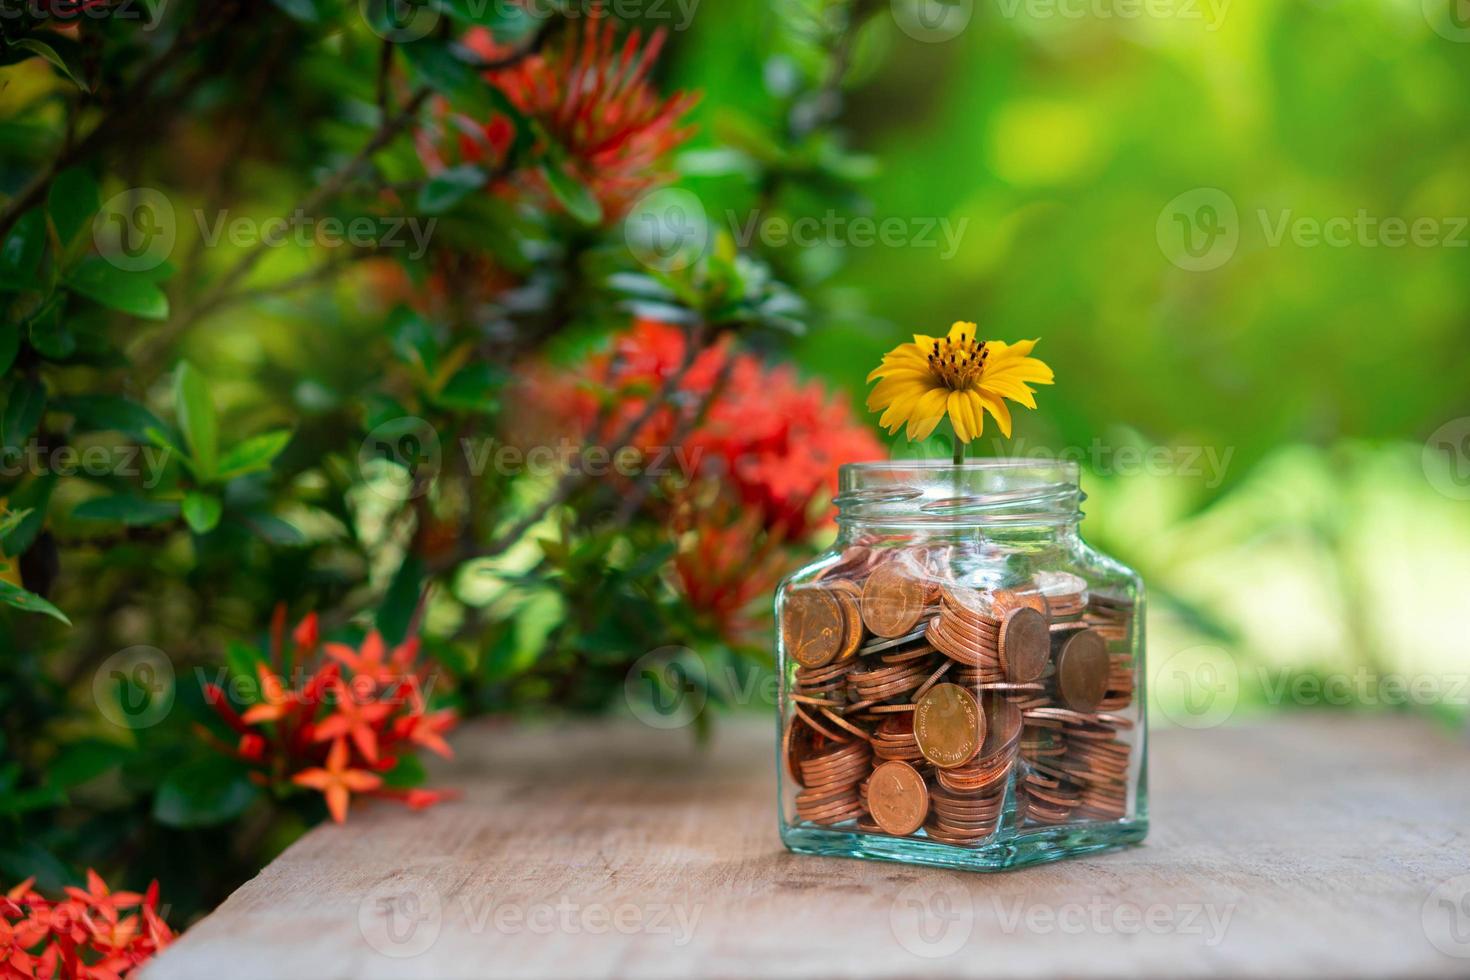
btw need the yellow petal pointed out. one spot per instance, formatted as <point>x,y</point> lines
<point>963,328</point>
<point>927,413</point>
<point>1009,388</point>
<point>885,391</point>
<point>904,357</point>
<point>1027,369</point>
<point>958,416</point>
<point>902,407</point>
<point>997,407</point>
<point>999,348</point>
<point>975,412</point>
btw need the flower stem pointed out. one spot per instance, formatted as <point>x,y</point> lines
<point>959,449</point>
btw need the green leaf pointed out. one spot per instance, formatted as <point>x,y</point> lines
<point>127,292</point>
<point>472,389</point>
<point>506,21</point>
<point>12,519</point>
<point>26,801</point>
<point>444,190</point>
<point>202,511</point>
<point>33,498</point>
<point>574,195</point>
<point>197,419</point>
<point>406,773</point>
<point>25,403</point>
<point>435,62</point>
<point>83,761</point>
<point>242,660</point>
<point>72,202</point>
<point>255,453</point>
<point>274,530</point>
<point>519,647</point>
<point>62,52</point>
<point>109,413</point>
<point>414,339</point>
<point>125,509</point>
<point>9,345</point>
<point>21,253</point>
<point>50,335</point>
<point>14,595</point>
<point>203,794</point>
<point>161,437</point>
<point>401,600</point>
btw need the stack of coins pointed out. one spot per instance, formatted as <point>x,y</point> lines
<point>918,703</point>
<point>831,779</point>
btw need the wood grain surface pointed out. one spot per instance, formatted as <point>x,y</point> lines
<point>1316,845</point>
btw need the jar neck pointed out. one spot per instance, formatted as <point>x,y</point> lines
<point>1028,504</point>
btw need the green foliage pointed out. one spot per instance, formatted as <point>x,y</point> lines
<point>253,420</point>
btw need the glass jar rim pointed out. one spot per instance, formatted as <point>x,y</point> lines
<point>986,492</point>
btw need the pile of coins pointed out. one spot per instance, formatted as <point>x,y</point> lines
<point>918,704</point>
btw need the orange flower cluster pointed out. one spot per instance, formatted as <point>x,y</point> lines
<point>91,934</point>
<point>591,96</point>
<point>766,443</point>
<point>772,441</point>
<point>349,721</point>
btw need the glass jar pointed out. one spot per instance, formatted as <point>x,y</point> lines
<point>961,674</point>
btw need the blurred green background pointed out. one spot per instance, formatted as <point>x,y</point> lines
<point>1271,415</point>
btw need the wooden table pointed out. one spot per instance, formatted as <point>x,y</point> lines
<point>1315,845</point>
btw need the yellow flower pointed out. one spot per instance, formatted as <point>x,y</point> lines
<point>960,376</point>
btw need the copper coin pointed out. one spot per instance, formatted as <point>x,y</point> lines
<point>949,725</point>
<point>813,625</point>
<point>848,595</point>
<point>898,798</point>
<point>1082,671</point>
<point>1025,644</point>
<point>893,601</point>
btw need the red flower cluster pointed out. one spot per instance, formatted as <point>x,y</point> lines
<point>350,720</point>
<point>769,444</point>
<point>590,96</point>
<point>88,935</point>
<point>773,441</point>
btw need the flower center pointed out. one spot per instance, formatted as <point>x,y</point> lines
<point>958,364</point>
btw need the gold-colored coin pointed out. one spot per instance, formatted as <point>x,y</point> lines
<point>813,625</point>
<point>898,798</point>
<point>949,725</point>
<point>893,600</point>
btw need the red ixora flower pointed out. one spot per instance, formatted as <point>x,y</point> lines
<point>753,449</point>
<point>334,719</point>
<point>592,96</point>
<point>770,439</point>
<point>91,934</point>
